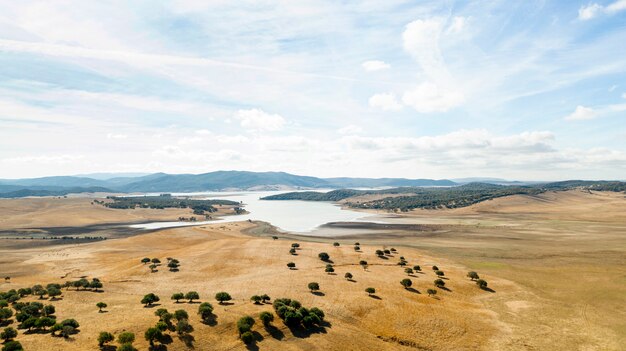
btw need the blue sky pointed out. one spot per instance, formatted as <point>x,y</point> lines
<point>421,89</point>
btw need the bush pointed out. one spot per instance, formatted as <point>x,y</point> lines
<point>439,273</point>
<point>439,283</point>
<point>408,271</point>
<point>406,283</point>
<point>266,318</point>
<point>335,244</point>
<point>323,256</point>
<point>417,268</point>
<point>348,275</point>
<point>435,268</point>
<point>329,269</point>
<point>481,283</point>
<point>363,264</point>
<point>370,291</point>
<point>291,265</point>
<point>222,296</point>
<point>431,292</point>
<point>104,338</point>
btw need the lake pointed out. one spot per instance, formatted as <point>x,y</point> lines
<point>287,215</point>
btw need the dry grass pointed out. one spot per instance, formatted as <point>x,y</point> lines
<point>556,262</point>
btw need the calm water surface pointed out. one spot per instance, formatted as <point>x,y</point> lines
<point>292,216</point>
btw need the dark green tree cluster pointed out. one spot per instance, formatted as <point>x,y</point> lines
<point>173,264</point>
<point>95,284</point>
<point>295,315</point>
<point>323,256</point>
<point>222,297</point>
<point>149,299</point>
<point>244,326</point>
<point>205,310</point>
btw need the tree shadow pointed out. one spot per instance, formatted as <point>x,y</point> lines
<point>108,348</point>
<point>152,305</point>
<point>351,280</point>
<point>293,269</point>
<point>188,340</point>
<point>193,302</point>
<point>211,321</point>
<point>302,333</point>
<point>329,261</point>
<point>375,297</point>
<point>159,347</point>
<point>103,311</point>
<point>445,288</point>
<point>383,257</point>
<point>415,291</point>
<point>166,339</point>
<point>274,332</point>
<point>488,289</point>
<point>443,278</point>
<point>225,303</point>
<point>318,293</point>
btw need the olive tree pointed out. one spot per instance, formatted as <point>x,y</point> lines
<point>473,275</point>
<point>105,338</point>
<point>256,299</point>
<point>145,260</point>
<point>192,295</point>
<point>408,271</point>
<point>370,291</point>
<point>431,292</point>
<point>205,310</point>
<point>222,297</point>
<point>323,256</point>
<point>100,306</point>
<point>439,283</point>
<point>348,276</point>
<point>440,273</point>
<point>417,268</point>
<point>363,264</point>
<point>481,283</point>
<point>313,286</point>
<point>152,334</point>
<point>406,283</point>
<point>8,334</point>
<point>178,296</point>
<point>149,299</point>
<point>291,265</point>
<point>266,318</point>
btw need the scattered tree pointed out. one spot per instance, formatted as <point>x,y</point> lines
<point>181,315</point>
<point>105,337</point>
<point>156,261</point>
<point>192,295</point>
<point>265,298</point>
<point>149,299</point>
<point>145,260</point>
<point>126,338</point>
<point>417,268</point>
<point>439,283</point>
<point>439,273</point>
<point>126,347</point>
<point>357,248</point>
<point>473,275</point>
<point>266,318</point>
<point>100,306</point>
<point>481,283</point>
<point>153,334</point>
<point>329,269</point>
<point>12,346</point>
<point>313,286</point>
<point>406,283</point>
<point>205,310</point>
<point>292,251</point>
<point>348,276</point>
<point>408,271</point>
<point>222,296</point>
<point>370,291</point>
<point>435,268</point>
<point>291,265</point>
<point>323,256</point>
<point>256,299</point>
<point>431,292</point>
<point>178,296</point>
<point>8,334</point>
<point>363,264</point>
<point>380,253</point>
<point>335,244</point>
<point>153,268</point>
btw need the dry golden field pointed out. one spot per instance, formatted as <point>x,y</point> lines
<point>557,264</point>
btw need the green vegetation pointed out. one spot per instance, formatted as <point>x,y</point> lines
<point>295,315</point>
<point>323,256</point>
<point>205,310</point>
<point>149,299</point>
<point>199,207</point>
<point>370,291</point>
<point>406,283</point>
<point>178,296</point>
<point>431,292</point>
<point>443,197</point>
<point>291,265</point>
<point>313,286</point>
<point>192,295</point>
<point>481,283</point>
<point>105,338</point>
<point>100,306</point>
<point>256,299</point>
<point>473,275</point>
<point>348,276</point>
<point>439,283</point>
<point>8,334</point>
<point>12,346</point>
<point>266,318</point>
<point>222,297</point>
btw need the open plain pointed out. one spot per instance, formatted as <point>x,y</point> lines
<point>555,264</point>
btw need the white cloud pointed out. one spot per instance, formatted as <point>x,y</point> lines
<point>581,113</point>
<point>116,136</point>
<point>458,25</point>
<point>256,119</point>
<point>428,97</point>
<point>375,65</point>
<point>624,96</point>
<point>350,130</point>
<point>385,101</point>
<point>591,11</point>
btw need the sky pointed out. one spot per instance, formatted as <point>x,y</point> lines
<point>527,90</point>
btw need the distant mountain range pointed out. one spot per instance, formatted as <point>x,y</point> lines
<point>214,181</point>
